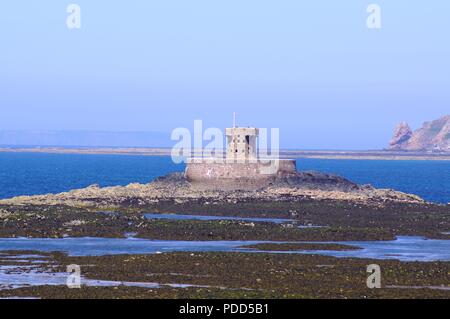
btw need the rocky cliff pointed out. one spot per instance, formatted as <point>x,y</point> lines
<point>432,136</point>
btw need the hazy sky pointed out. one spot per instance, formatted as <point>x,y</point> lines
<point>311,68</point>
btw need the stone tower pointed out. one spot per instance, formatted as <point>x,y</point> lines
<point>241,143</point>
<point>242,168</point>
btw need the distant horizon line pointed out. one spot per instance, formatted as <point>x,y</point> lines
<point>92,147</point>
<point>31,146</point>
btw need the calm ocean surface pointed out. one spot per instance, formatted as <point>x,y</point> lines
<point>34,173</point>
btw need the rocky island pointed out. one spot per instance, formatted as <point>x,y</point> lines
<point>176,188</point>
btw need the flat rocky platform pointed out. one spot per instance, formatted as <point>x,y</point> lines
<point>174,187</point>
<point>344,210</point>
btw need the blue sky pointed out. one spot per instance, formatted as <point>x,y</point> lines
<point>311,68</point>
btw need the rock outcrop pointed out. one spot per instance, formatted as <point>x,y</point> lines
<point>432,136</point>
<point>402,133</point>
<point>176,188</point>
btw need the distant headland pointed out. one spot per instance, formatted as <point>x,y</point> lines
<point>433,136</point>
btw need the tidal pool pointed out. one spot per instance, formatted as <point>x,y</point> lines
<point>404,248</point>
<point>209,217</point>
<point>20,276</point>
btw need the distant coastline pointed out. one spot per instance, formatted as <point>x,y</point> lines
<point>159,151</point>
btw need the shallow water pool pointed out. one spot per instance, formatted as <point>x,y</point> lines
<point>404,248</point>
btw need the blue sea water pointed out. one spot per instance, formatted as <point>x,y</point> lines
<point>39,173</point>
<point>428,179</point>
<point>208,218</point>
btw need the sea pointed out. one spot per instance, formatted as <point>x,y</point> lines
<point>42,173</point>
